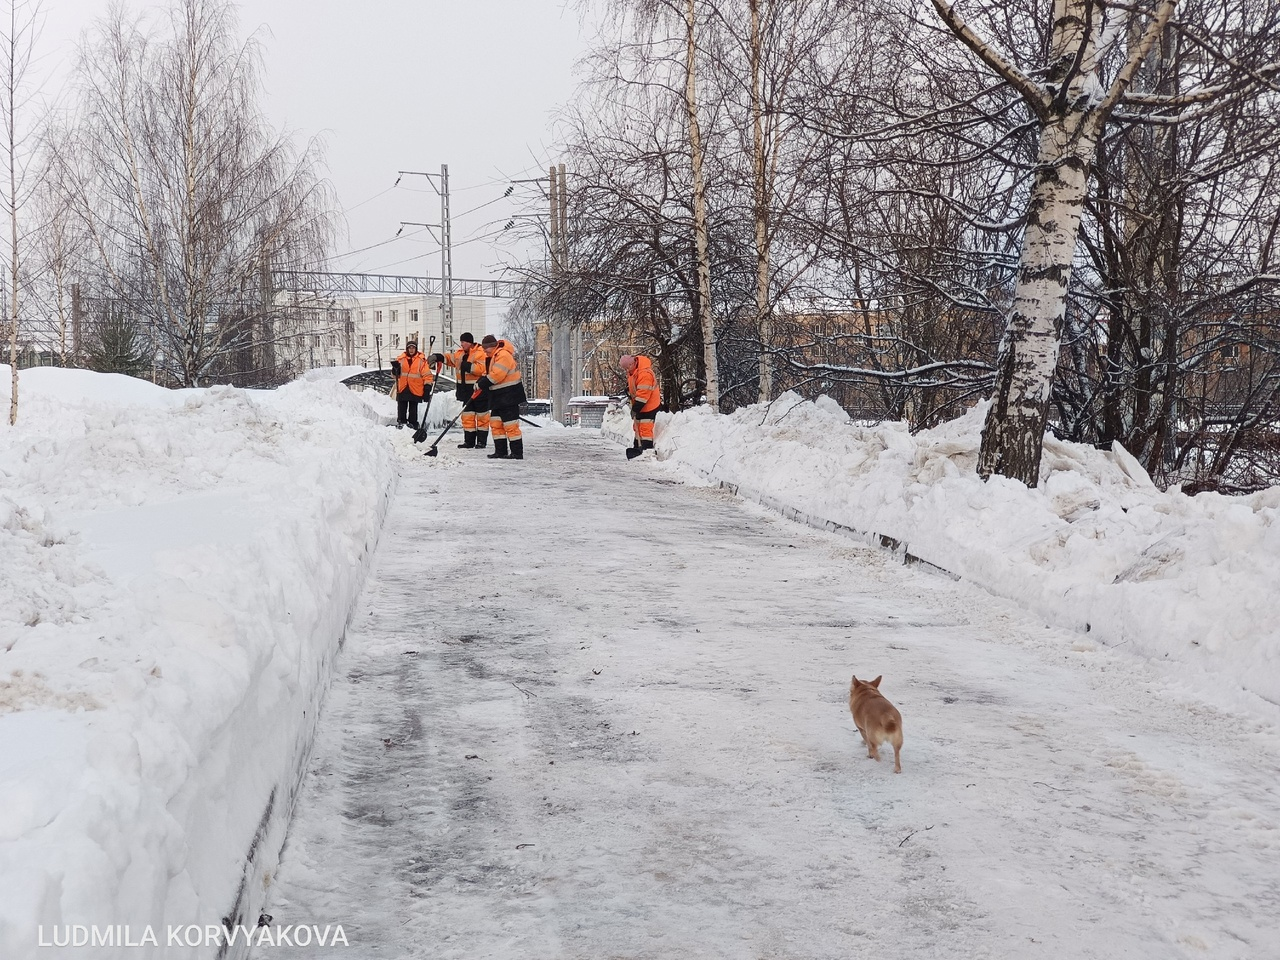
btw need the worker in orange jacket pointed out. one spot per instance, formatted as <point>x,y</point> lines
<point>414,382</point>
<point>469,362</point>
<point>505,389</point>
<point>642,389</point>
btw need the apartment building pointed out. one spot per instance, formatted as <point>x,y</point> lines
<point>371,331</point>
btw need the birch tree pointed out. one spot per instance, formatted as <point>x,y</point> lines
<point>58,250</point>
<point>706,318</point>
<point>19,31</point>
<point>632,267</point>
<point>188,197</point>
<point>781,46</point>
<point>647,19</point>
<point>1094,52</point>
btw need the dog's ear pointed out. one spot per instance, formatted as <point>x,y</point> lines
<point>876,682</point>
<point>855,679</point>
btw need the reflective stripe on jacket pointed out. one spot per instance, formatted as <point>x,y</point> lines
<point>504,372</point>
<point>469,363</point>
<point>415,373</point>
<point>642,385</point>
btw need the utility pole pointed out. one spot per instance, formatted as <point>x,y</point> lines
<point>446,246</point>
<point>446,260</point>
<point>575,335</point>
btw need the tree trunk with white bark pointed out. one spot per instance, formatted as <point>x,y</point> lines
<point>1072,104</point>
<point>760,209</point>
<point>700,236</point>
<point>1012,437</point>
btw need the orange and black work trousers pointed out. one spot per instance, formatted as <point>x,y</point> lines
<point>475,415</point>
<point>504,421</point>
<point>643,426</point>
<point>475,420</point>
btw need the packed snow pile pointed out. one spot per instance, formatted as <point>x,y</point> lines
<point>1096,546</point>
<point>176,571</point>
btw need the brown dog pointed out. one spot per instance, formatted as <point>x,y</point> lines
<point>876,718</point>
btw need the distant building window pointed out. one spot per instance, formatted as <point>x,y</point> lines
<point>364,339</point>
<point>333,363</point>
<point>333,339</point>
<point>394,314</point>
<point>395,339</point>
<point>1230,352</point>
<point>377,316</point>
<point>413,317</point>
<point>363,316</point>
<point>377,338</point>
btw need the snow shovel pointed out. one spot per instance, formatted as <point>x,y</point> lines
<point>432,452</point>
<point>421,433</point>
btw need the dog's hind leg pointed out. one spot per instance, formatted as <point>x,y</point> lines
<point>871,750</point>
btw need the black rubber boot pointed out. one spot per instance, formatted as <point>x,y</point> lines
<point>482,439</point>
<point>499,449</point>
<point>517,449</point>
<point>646,445</point>
<point>633,452</point>
<point>469,440</point>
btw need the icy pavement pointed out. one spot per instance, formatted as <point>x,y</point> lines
<point>587,712</point>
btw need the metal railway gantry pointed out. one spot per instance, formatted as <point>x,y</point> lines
<point>338,284</point>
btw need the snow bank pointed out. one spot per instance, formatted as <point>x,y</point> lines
<point>1096,546</point>
<point>176,569</point>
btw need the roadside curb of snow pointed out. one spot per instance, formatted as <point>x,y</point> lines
<point>898,549</point>
<point>197,590</point>
<point>263,855</point>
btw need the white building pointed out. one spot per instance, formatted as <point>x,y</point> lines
<point>385,324</point>
<point>360,331</point>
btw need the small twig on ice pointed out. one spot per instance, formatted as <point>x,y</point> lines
<point>912,834</point>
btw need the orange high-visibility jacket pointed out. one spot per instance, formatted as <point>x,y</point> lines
<point>469,362</point>
<point>503,373</point>
<point>415,374</point>
<point>642,385</point>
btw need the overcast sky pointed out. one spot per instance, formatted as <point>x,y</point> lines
<point>404,85</point>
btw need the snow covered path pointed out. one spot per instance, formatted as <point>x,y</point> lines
<point>587,712</point>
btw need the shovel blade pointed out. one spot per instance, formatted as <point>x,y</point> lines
<point>432,452</point>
